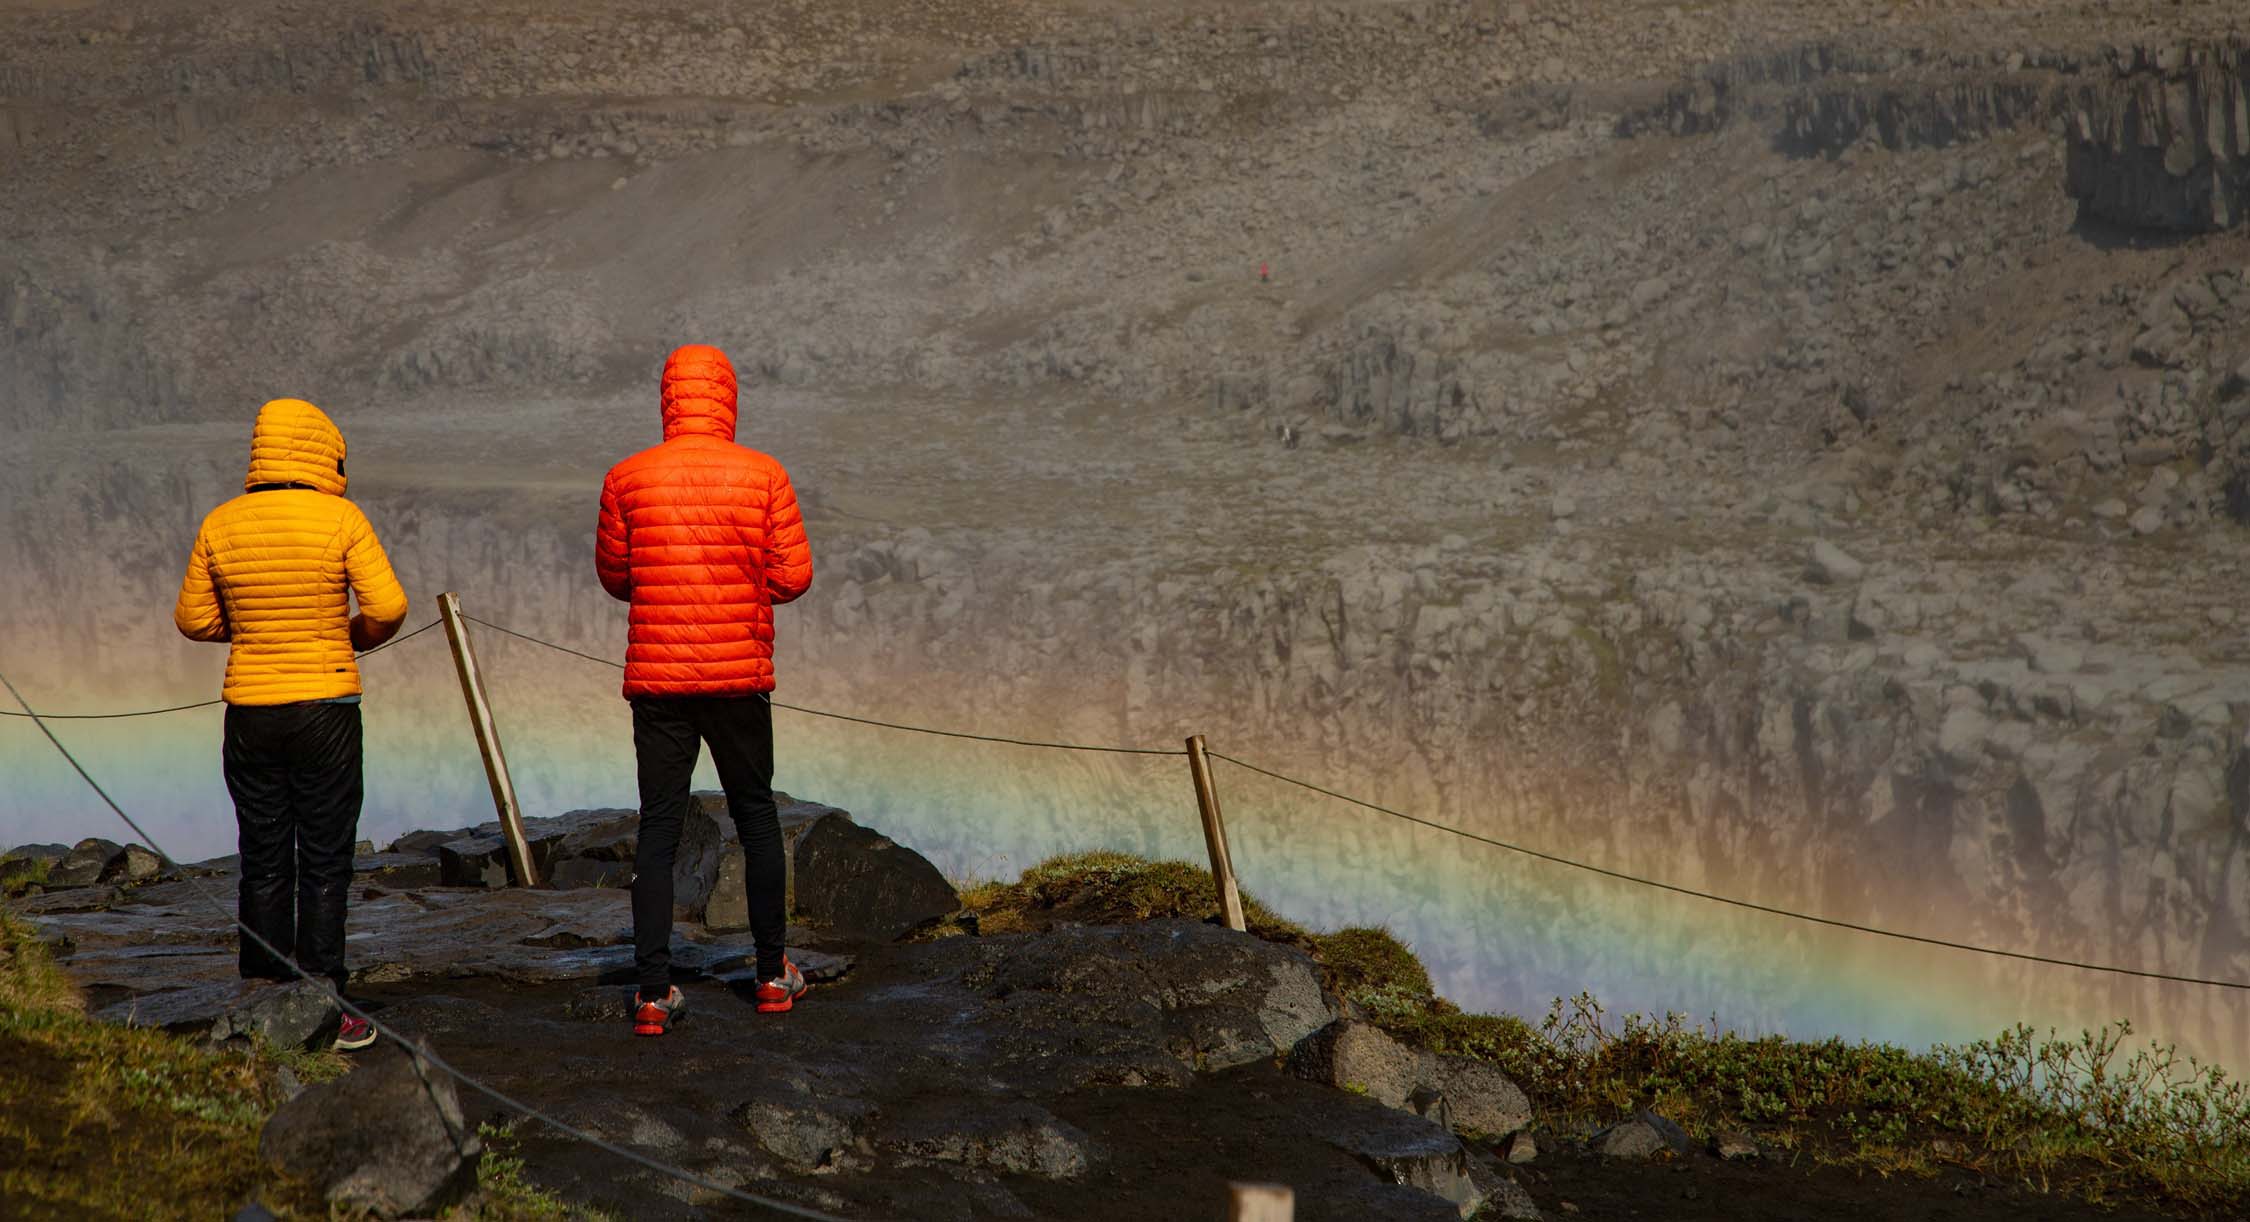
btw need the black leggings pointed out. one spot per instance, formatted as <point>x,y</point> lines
<point>294,773</point>
<point>667,734</point>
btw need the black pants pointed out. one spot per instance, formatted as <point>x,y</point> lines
<point>667,733</point>
<point>294,772</point>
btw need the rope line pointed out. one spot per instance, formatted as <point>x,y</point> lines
<point>865,721</point>
<point>1621,876</point>
<point>1722,899</point>
<point>424,1053</point>
<point>200,704</point>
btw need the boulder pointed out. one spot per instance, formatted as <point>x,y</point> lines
<point>704,838</point>
<point>728,907</point>
<point>299,1015</point>
<point>1465,1096</point>
<point>85,863</point>
<point>473,862</point>
<point>1644,1136</point>
<point>134,864</point>
<point>19,865</point>
<point>1480,1100</point>
<point>1520,1149</point>
<point>1359,1057</point>
<point>388,1138</point>
<point>1829,564</point>
<point>597,835</point>
<point>859,883</point>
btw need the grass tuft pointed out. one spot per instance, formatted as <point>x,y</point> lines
<point>115,1121</point>
<point>503,1195</point>
<point>23,875</point>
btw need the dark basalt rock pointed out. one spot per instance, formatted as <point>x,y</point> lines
<point>388,1138</point>
<point>859,883</point>
<point>85,863</point>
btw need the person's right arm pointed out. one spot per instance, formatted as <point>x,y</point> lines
<point>198,613</point>
<point>613,554</point>
<point>788,552</point>
<point>382,601</point>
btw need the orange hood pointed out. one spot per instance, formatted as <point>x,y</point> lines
<point>698,393</point>
<point>296,443</point>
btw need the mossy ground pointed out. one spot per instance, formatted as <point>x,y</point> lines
<point>2085,1115</point>
<point>98,1120</point>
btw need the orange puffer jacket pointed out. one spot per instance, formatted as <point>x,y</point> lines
<point>703,537</point>
<point>273,569</point>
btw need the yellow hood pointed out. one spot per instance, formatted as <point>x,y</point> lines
<point>296,443</point>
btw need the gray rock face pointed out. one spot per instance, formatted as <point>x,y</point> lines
<point>859,883</point>
<point>388,1138</point>
<point>1360,1058</point>
<point>1465,1096</point>
<point>299,1015</point>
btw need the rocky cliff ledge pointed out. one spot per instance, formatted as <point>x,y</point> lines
<point>1081,1051</point>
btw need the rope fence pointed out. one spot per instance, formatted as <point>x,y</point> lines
<point>1219,855</point>
<point>1198,756</point>
<point>865,721</point>
<point>200,704</point>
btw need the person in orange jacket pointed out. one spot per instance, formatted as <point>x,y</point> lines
<point>272,575</point>
<point>703,537</point>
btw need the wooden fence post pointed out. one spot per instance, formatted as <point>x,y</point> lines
<point>1215,834</point>
<point>1261,1203</point>
<point>488,742</point>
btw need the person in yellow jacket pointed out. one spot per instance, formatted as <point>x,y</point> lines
<point>272,574</point>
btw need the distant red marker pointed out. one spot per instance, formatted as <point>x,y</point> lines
<point>1261,273</point>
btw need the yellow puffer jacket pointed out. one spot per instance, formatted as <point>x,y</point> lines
<point>272,567</point>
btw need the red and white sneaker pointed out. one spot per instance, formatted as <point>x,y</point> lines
<point>354,1034</point>
<point>777,995</point>
<point>652,1017</point>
